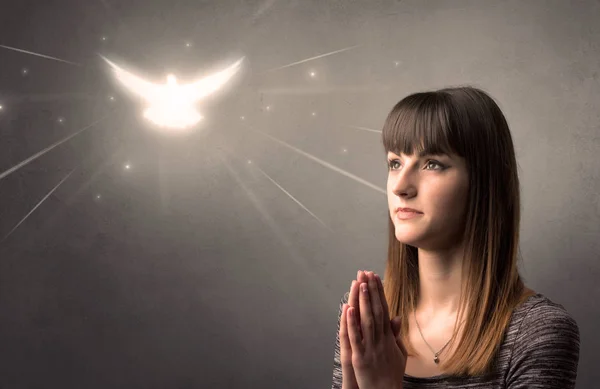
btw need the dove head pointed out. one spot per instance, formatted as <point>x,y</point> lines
<point>171,80</point>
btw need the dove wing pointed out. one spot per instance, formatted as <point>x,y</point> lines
<point>135,84</point>
<point>209,84</point>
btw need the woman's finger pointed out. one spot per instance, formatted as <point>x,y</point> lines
<point>344,340</point>
<point>353,300</point>
<point>356,340</point>
<point>379,329</point>
<point>345,348</point>
<point>366,315</point>
<point>386,311</point>
<point>348,375</point>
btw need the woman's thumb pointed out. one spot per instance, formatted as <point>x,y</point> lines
<point>396,323</point>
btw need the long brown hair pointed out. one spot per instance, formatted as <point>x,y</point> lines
<point>465,121</point>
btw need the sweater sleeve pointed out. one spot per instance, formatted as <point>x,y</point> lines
<point>546,350</point>
<point>337,366</point>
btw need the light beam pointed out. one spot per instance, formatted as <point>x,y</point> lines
<point>313,58</point>
<point>40,55</point>
<point>326,164</point>
<point>37,205</point>
<point>36,156</point>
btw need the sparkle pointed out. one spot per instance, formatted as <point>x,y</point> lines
<point>242,117</point>
<point>188,44</point>
<point>127,166</point>
<point>24,71</point>
<point>97,197</point>
<point>397,63</point>
<point>268,107</point>
<point>1,107</point>
<point>313,74</point>
<point>111,98</point>
<point>249,161</point>
<point>103,38</point>
<point>60,120</point>
<point>345,150</point>
<point>314,114</point>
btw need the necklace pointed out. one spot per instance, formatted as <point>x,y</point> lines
<point>436,358</point>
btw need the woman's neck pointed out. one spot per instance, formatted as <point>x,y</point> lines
<point>440,277</point>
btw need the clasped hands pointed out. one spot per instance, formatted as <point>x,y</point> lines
<point>372,355</point>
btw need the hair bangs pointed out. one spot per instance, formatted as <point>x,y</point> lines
<point>420,123</point>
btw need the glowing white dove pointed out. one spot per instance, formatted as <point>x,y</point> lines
<point>171,104</point>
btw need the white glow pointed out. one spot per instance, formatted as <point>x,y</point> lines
<point>172,105</point>
<point>103,38</point>
<point>128,166</point>
<point>314,114</point>
<point>312,74</point>
<point>242,117</point>
<point>0,107</point>
<point>60,120</point>
<point>24,71</point>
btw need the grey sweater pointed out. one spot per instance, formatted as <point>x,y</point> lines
<point>540,351</point>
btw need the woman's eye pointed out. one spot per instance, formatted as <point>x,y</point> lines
<point>393,164</point>
<point>435,163</point>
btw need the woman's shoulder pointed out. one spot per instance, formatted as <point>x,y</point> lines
<point>544,344</point>
<point>539,306</point>
<point>540,318</point>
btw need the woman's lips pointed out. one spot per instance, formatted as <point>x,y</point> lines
<point>403,215</point>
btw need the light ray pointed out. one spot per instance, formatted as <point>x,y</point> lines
<point>110,160</point>
<point>301,262</point>
<point>36,156</point>
<point>40,55</point>
<point>313,58</point>
<point>37,205</point>
<point>365,129</point>
<point>326,164</point>
<point>293,198</point>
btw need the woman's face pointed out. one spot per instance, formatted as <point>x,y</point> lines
<point>437,187</point>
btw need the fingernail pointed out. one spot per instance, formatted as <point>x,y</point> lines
<point>363,287</point>
<point>358,275</point>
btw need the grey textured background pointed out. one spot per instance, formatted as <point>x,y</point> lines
<point>193,269</point>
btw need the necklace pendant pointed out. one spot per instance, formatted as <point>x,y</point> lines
<point>436,359</point>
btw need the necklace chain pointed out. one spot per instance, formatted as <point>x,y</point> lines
<point>436,358</point>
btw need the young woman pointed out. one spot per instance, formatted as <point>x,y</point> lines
<point>462,316</point>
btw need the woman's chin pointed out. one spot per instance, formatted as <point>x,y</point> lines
<point>405,238</point>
